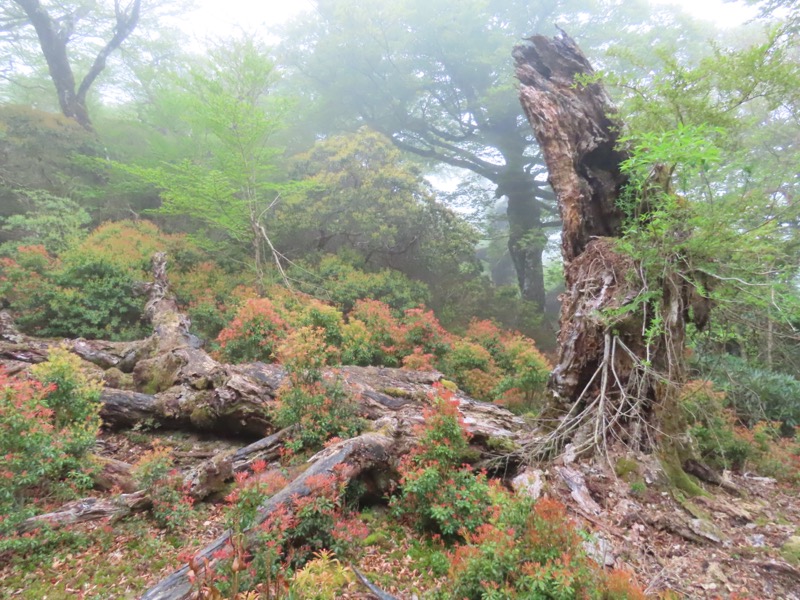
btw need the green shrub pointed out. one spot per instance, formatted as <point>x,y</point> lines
<point>473,368</point>
<point>90,289</point>
<point>438,493</point>
<point>754,393</point>
<point>90,297</point>
<point>530,550</point>
<point>712,426</point>
<point>155,472</point>
<point>74,400</point>
<point>47,425</point>
<point>321,408</point>
<point>343,284</point>
<point>51,221</point>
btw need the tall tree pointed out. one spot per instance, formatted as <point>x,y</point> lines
<point>363,198</point>
<point>434,76</point>
<point>55,28</point>
<point>227,186</point>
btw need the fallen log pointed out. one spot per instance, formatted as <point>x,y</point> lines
<point>89,509</point>
<point>356,455</point>
<point>243,401</point>
<point>707,474</point>
<point>180,386</point>
<point>111,474</point>
<point>29,350</point>
<point>374,589</point>
<point>212,475</point>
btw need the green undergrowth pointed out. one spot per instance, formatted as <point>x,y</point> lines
<point>98,562</point>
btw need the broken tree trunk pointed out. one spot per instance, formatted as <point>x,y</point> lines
<point>622,336</point>
<point>242,400</point>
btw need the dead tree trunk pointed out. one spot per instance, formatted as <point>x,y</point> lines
<point>622,333</point>
<point>177,385</point>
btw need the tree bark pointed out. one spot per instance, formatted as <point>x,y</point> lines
<point>610,371</point>
<point>526,243</point>
<point>54,38</point>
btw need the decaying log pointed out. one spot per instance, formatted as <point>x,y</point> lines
<point>110,473</point>
<point>180,386</point>
<point>212,475</point>
<point>242,401</point>
<point>374,589</point>
<point>709,475</point>
<point>89,509</point>
<point>356,455</point>
<point>24,349</point>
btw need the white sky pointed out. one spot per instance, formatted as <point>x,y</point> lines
<point>215,17</point>
<point>724,14</point>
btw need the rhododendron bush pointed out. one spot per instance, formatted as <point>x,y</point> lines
<point>48,423</point>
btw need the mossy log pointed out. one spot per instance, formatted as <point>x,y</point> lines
<point>242,401</point>
<point>178,385</point>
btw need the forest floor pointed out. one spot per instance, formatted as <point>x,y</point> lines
<point>718,545</point>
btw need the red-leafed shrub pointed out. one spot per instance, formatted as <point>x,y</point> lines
<point>421,329</point>
<point>530,549</point>
<point>438,493</point>
<point>156,473</point>
<point>254,333</point>
<point>318,406</point>
<point>47,425</point>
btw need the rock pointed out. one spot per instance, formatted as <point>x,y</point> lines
<point>600,550</point>
<point>530,482</point>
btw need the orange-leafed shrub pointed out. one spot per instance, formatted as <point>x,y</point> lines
<point>254,332</point>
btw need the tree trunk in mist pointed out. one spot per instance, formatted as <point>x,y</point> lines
<point>608,373</point>
<point>526,242</point>
<point>54,37</point>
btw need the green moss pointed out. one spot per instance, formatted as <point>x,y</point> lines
<point>160,379</point>
<point>378,538</point>
<point>115,378</point>
<point>625,467</point>
<point>696,511</point>
<point>638,487</point>
<point>503,445</point>
<point>678,478</point>
<point>790,551</point>
<point>449,385</point>
<point>396,392</point>
<point>471,455</point>
<point>202,416</point>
